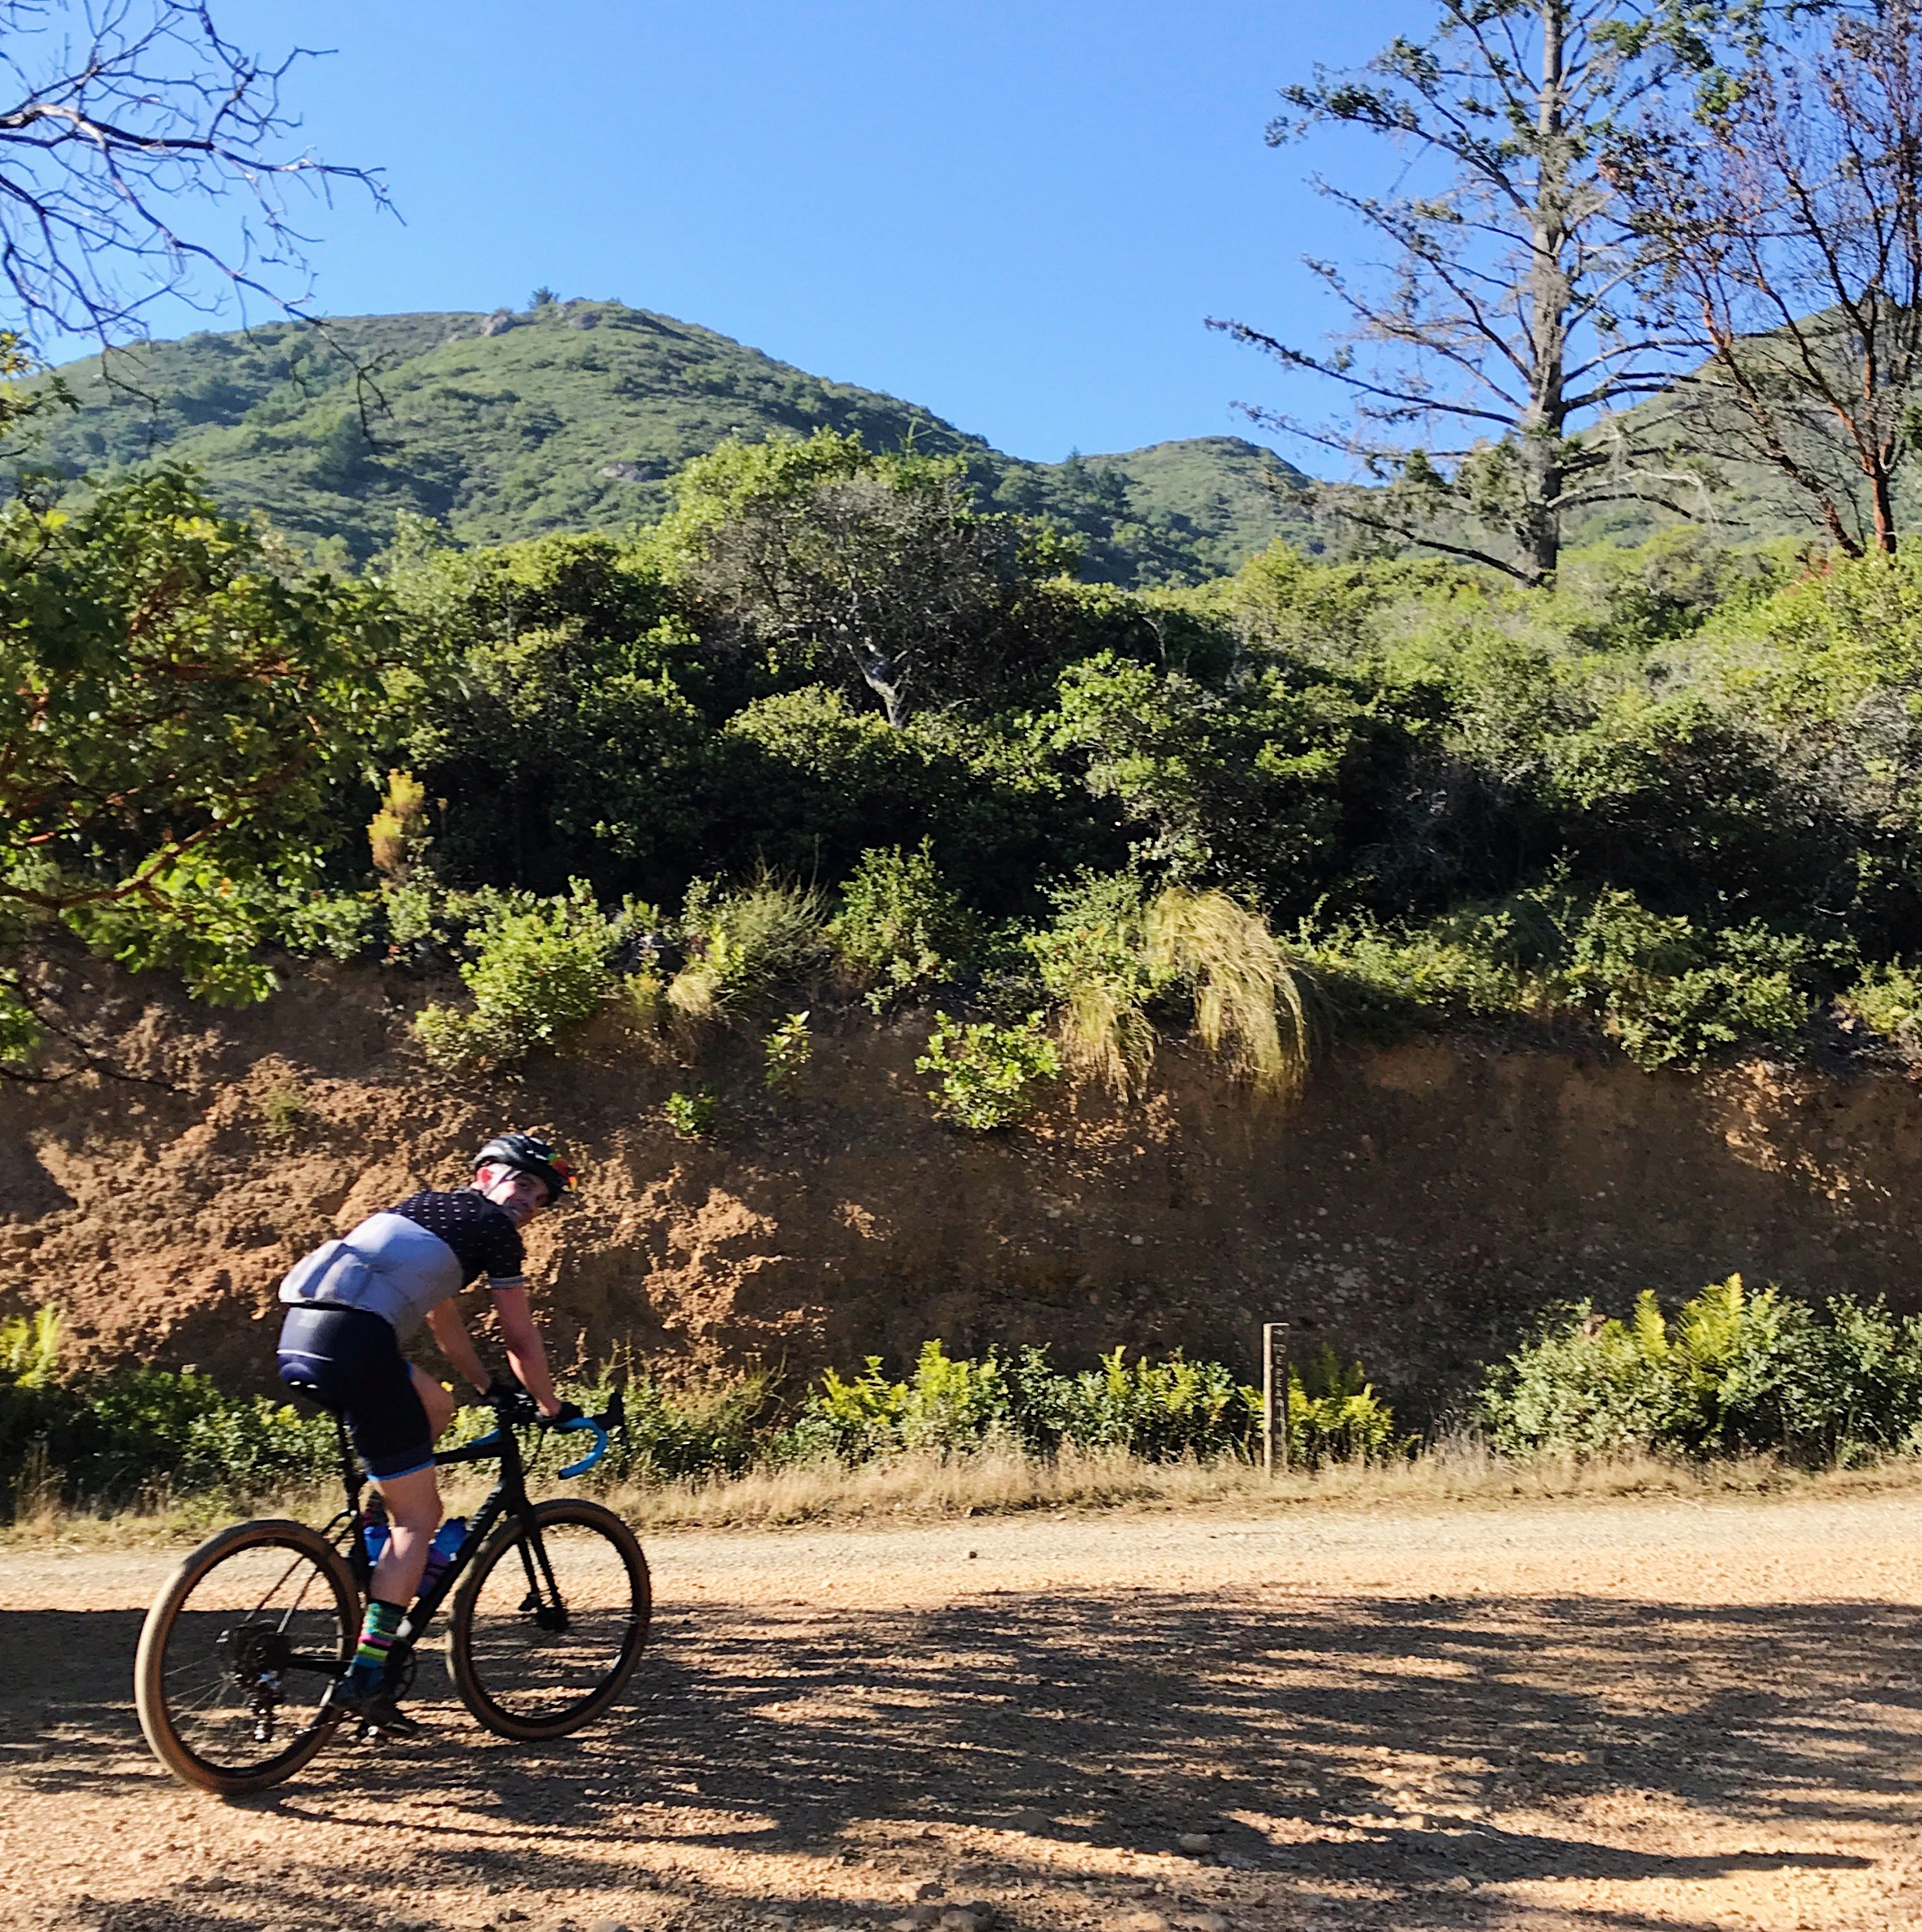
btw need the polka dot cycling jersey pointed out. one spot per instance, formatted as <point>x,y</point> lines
<point>483,1240</point>
<point>401,1263</point>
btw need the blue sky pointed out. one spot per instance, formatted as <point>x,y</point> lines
<point>1015,212</point>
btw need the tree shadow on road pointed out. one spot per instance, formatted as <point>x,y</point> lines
<point>1397,1756</point>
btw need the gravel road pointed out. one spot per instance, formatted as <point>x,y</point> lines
<point>1607,1717</point>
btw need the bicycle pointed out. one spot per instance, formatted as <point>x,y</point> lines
<point>552,1604</point>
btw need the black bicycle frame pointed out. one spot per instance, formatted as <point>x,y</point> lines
<point>508,1496</point>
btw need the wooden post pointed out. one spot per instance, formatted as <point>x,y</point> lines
<point>1274,1396</point>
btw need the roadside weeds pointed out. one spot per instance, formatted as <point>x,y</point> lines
<point>926,1486</point>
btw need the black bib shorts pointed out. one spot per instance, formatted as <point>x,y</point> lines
<point>354,1359</point>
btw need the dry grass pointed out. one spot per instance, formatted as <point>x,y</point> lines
<point>931,1488</point>
<point>1248,1005</point>
<point>1105,1037</point>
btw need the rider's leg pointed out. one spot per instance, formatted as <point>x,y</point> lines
<point>438,1401</point>
<point>413,1515</point>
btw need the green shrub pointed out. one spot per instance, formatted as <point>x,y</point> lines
<point>110,1439</point>
<point>900,929</point>
<point>1734,1372</point>
<point>713,1428</point>
<point>745,946</point>
<point>695,1115</point>
<point>539,969</point>
<point>787,1051</point>
<point>1671,993</point>
<point>1093,960</point>
<point>988,1074</point>
<point>1888,1000</point>
<point>1334,1415</point>
<point>1159,1410</point>
<point>1674,996</point>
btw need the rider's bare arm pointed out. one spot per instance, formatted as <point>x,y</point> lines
<point>525,1352</point>
<point>451,1334</point>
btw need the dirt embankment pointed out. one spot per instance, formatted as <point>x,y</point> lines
<point>1414,1207</point>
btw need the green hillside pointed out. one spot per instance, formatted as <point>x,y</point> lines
<point>572,415</point>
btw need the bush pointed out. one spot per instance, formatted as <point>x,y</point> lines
<point>1675,996</point>
<point>1158,1410</point>
<point>147,1430</point>
<point>1334,1415</point>
<point>692,1116</point>
<point>539,969</point>
<point>1671,993</point>
<point>1092,959</point>
<point>787,1051</point>
<point>138,1428</point>
<point>746,946</point>
<point>713,1428</point>
<point>1161,1411</point>
<point>1887,999</point>
<point>1734,1372</point>
<point>988,1074</point>
<point>900,929</point>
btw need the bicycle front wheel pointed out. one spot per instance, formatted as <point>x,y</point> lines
<point>548,1624</point>
<point>238,1651</point>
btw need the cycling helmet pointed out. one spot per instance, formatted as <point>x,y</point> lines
<point>530,1154</point>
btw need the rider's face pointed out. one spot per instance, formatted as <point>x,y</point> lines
<point>523,1196</point>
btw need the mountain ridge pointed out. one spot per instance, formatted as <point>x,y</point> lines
<point>573,415</point>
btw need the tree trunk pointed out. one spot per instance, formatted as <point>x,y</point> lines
<point>1549,295</point>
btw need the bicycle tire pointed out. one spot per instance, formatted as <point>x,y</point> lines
<point>522,1673</point>
<point>199,1676</point>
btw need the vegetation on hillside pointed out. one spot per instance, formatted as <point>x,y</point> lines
<point>144,1433</point>
<point>711,773</point>
<point>573,415</point>
<point>1732,1372</point>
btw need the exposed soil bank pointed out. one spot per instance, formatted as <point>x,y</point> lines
<point>1414,1207</point>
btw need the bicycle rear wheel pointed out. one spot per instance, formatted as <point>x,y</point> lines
<point>237,1652</point>
<point>548,1624</point>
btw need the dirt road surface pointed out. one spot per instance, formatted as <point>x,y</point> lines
<point>1604,1716</point>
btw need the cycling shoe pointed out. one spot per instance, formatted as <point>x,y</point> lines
<point>374,1706</point>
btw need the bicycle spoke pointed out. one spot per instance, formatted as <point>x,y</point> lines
<point>239,1669</point>
<point>553,1621</point>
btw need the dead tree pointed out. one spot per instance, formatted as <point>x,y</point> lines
<point>1784,219</point>
<point>1489,378</point>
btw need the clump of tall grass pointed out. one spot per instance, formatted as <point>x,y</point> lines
<point>1248,1004</point>
<point>746,945</point>
<point>1112,956</point>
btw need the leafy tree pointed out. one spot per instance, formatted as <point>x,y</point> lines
<point>1249,786</point>
<point>174,704</point>
<point>120,115</point>
<point>875,573</point>
<point>556,725</point>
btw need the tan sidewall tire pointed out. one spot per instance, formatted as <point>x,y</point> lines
<point>566,1509</point>
<point>148,1662</point>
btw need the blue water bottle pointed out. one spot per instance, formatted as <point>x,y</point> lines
<point>375,1535</point>
<point>442,1550</point>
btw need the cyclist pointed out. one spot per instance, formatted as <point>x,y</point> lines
<point>352,1303</point>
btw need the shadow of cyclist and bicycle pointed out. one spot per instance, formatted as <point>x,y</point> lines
<point>1327,1743</point>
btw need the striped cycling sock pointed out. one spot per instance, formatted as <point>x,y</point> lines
<point>377,1633</point>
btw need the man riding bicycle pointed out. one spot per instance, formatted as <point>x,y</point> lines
<point>352,1303</point>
